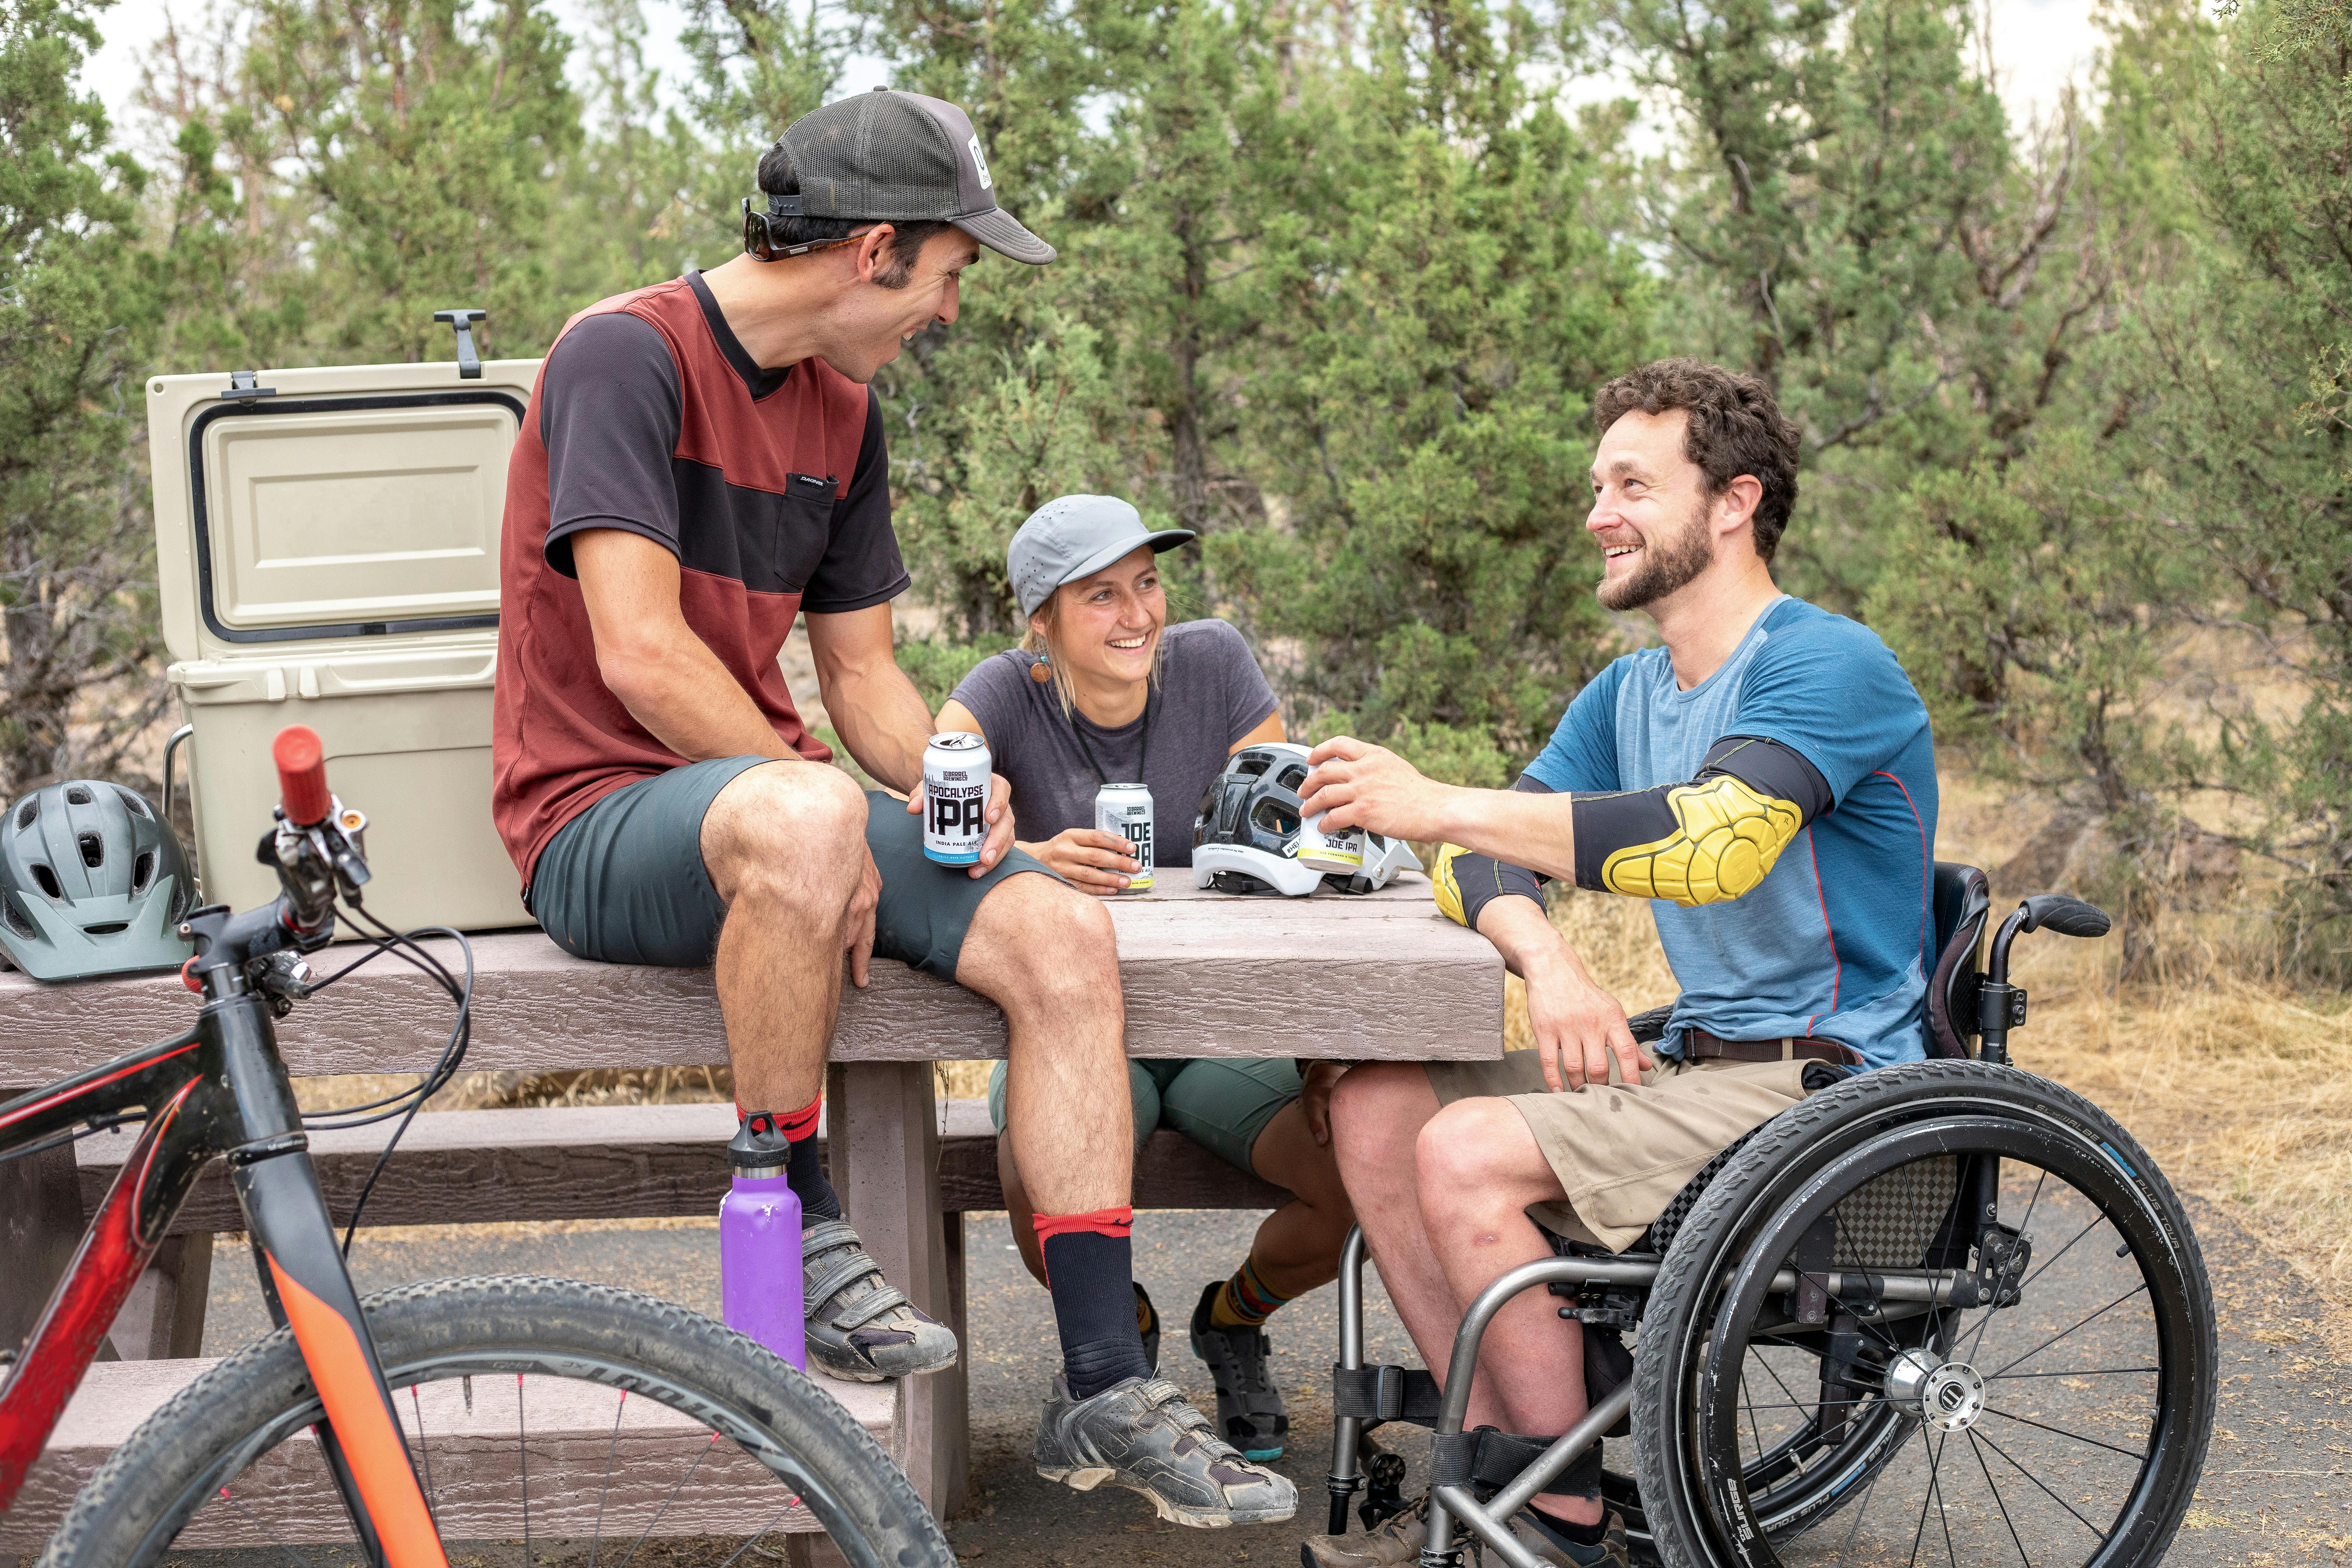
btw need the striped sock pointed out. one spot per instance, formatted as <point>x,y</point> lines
<point>1246,1302</point>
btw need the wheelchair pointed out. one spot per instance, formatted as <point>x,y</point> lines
<point>1941,1312</point>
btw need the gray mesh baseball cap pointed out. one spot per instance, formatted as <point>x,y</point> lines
<point>1071,536</point>
<point>899,157</point>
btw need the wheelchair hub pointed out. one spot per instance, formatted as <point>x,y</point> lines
<point>1948,1396</point>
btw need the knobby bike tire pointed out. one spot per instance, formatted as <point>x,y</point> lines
<point>147,1491</point>
<point>1741,1203</point>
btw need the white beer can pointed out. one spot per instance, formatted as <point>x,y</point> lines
<point>1126,809</point>
<point>956,768</point>
<point>1340,850</point>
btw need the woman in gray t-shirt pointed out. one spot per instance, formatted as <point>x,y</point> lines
<point>1104,691</point>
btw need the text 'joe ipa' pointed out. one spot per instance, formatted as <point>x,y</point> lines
<point>956,770</point>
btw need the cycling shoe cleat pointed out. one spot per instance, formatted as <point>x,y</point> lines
<point>1142,1434</point>
<point>1394,1542</point>
<point>1249,1404</point>
<point>859,1327</point>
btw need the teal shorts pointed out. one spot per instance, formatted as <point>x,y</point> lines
<point>1221,1104</point>
<point>624,881</point>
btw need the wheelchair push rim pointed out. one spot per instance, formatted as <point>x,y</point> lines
<point>1952,1457</point>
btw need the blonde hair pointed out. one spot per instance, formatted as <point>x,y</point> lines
<point>1040,645</point>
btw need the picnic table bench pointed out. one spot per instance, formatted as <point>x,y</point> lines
<point>1382,977</point>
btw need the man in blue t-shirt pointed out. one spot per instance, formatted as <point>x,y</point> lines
<point>1766,779</point>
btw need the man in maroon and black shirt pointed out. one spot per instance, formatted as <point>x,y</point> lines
<point>703,463</point>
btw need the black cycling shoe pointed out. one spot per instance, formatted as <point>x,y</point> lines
<point>859,1326</point>
<point>1142,1434</point>
<point>1249,1404</point>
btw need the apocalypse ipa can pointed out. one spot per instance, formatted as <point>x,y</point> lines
<point>1126,809</point>
<point>1340,850</point>
<point>955,798</point>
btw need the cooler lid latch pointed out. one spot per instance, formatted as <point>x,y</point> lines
<point>469,363</point>
<point>241,387</point>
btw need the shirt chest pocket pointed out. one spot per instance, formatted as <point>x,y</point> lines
<point>799,532</point>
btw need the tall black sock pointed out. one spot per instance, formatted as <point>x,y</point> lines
<point>1089,1268</point>
<point>1569,1534</point>
<point>796,1130</point>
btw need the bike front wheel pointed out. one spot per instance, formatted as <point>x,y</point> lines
<point>578,1420</point>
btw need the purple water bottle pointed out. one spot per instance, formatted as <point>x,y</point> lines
<point>759,1247</point>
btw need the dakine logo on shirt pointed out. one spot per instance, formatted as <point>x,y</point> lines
<point>980,162</point>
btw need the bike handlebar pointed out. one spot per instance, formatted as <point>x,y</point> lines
<point>301,759</point>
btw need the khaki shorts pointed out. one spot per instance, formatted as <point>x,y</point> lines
<point>1622,1152</point>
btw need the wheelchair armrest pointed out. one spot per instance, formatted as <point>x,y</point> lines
<point>1651,1026</point>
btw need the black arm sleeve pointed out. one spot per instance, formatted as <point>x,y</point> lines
<point>1699,842</point>
<point>1476,881</point>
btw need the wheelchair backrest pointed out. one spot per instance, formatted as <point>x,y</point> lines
<point>1962,896</point>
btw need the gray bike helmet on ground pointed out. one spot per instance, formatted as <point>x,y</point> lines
<point>93,881</point>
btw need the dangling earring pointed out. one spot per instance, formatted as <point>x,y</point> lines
<point>1042,670</point>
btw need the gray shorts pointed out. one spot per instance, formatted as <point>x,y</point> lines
<point>1221,1104</point>
<point>624,881</point>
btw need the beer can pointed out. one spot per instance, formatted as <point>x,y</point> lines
<point>956,768</point>
<point>1126,809</point>
<point>1340,850</point>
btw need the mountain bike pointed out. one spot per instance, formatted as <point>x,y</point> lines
<point>495,1409</point>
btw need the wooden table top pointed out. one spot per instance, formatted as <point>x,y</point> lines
<point>1381,977</point>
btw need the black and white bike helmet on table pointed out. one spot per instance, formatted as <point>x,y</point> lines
<point>1246,837</point>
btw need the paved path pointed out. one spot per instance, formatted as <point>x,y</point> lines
<point>2277,1489</point>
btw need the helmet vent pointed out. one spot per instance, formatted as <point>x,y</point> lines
<point>1291,777</point>
<point>1253,763</point>
<point>1275,817</point>
<point>136,802</point>
<point>48,879</point>
<point>27,812</point>
<point>77,795</point>
<point>93,850</point>
<point>111,928</point>
<point>142,872</point>
<point>16,918</point>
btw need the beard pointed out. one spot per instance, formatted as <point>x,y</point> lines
<point>1666,565</point>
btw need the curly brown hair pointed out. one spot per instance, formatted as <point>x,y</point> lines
<point>1735,427</point>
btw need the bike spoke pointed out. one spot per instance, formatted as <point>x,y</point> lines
<point>1854,1531</point>
<point>2093,1372</point>
<point>425,1453</point>
<point>1808,1404</point>
<point>761,1536</point>
<point>1919,1533</point>
<point>2097,1220</point>
<point>2062,1333</point>
<point>2062,1432</point>
<point>1989,1486</point>
<point>522,1458</point>
<point>2053,1496</point>
<point>2002,1283</point>
<point>1754,1430</point>
<point>657,1519</point>
<point>606,1489</point>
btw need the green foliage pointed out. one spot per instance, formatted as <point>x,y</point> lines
<point>79,308</point>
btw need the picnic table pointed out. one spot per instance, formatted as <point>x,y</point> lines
<point>1377,978</point>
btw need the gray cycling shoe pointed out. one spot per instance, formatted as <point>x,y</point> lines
<point>1142,1434</point>
<point>1394,1542</point>
<point>859,1327</point>
<point>1249,1404</point>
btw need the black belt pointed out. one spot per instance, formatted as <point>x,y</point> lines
<point>1700,1045</point>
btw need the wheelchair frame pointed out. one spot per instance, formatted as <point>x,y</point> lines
<point>1965,1001</point>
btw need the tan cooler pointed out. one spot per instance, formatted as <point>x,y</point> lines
<point>327,543</point>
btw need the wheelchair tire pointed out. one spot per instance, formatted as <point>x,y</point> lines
<point>1714,1317</point>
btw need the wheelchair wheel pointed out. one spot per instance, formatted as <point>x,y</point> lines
<point>1953,1309</point>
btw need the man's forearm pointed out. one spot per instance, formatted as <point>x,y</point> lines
<point>1524,935</point>
<point>1537,831</point>
<point>686,698</point>
<point>882,722</point>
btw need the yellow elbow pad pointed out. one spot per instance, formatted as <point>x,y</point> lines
<point>1446,886</point>
<point>1729,839</point>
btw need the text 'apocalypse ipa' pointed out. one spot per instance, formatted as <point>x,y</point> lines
<point>955,798</point>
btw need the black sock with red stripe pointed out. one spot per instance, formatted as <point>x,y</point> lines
<point>1090,1270</point>
<point>802,1168</point>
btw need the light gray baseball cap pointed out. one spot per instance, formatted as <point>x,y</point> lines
<point>1071,536</point>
